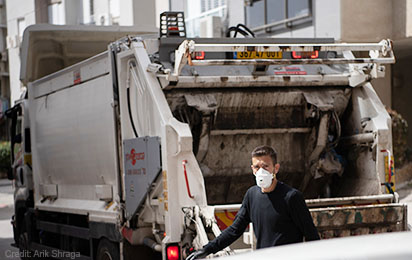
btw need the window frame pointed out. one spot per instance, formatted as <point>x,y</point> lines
<point>286,23</point>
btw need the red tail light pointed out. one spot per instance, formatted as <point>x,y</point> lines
<point>200,55</point>
<point>173,252</point>
<point>305,54</point>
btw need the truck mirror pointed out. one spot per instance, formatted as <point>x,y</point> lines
<point>17,139</point>
<point>10,174</point>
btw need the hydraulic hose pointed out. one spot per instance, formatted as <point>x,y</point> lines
<point>245,31</point>
<point>152,244</point>
<point>130,66</point>
<point>130,113</point>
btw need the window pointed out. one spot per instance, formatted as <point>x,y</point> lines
<point>271,13</point>
<point>17,139</point>
<point>21,25</point>
<point>275,11</point>
<point>297,8</point>
<point>254,15</point>
<point>198,10</point>
<point>88,17</point>
<point>206,5</point>
<point>115,11</point>
<point>203,6</point>
<point>56,13</point>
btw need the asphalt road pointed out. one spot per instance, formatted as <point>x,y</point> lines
<point>6,231</point>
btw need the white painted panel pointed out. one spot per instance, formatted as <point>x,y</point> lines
<point>98,211</point>
<point>73,139</point>
<point>87,70</point>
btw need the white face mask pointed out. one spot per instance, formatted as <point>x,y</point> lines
<point>263,178</point>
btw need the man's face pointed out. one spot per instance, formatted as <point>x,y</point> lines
<point>264,162</point>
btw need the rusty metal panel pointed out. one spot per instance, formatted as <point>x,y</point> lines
<point>352,201</point>
<point>359,220</point>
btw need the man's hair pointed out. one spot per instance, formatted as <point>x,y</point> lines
<point>265,150</point>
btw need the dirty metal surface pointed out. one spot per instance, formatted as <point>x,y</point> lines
<point>353,200</point>
<point>240,120</point>
<point>358,220</point>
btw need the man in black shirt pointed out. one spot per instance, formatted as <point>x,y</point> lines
<point>278,212</point>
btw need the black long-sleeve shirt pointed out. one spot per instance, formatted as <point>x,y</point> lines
<point>279,217</point>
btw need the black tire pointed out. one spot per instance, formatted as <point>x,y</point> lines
<point>107,250</point>
<point>24,251</point>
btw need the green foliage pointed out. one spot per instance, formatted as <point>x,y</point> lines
<point>5,156</point>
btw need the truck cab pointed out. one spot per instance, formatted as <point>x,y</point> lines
<point>21,167</point>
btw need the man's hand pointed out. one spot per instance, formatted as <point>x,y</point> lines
<point>197,254</point>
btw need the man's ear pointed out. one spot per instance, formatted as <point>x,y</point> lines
<point>277,167</point>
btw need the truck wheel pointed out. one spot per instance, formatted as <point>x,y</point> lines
<point>24,245</point>
<point>107,250</point>
<point>24,250</point>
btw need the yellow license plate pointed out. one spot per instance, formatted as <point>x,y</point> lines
<point>258,55</point>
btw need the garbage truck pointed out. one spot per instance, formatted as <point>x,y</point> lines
<point>139,146</point>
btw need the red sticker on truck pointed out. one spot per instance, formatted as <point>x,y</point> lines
<point>76,77</point>
<point>295,70</point>
<point>134,157</point>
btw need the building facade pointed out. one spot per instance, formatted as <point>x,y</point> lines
<point>4,73</point>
